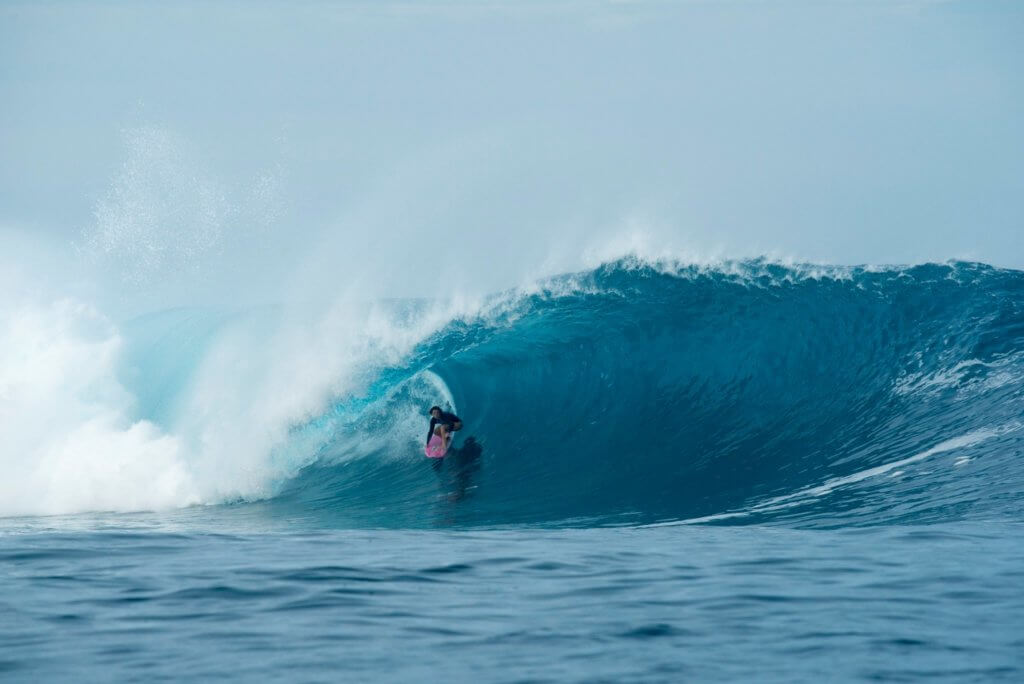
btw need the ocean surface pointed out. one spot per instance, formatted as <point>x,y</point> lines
<point>745,471</point>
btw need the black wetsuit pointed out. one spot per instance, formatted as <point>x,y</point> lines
<point>447,419</point>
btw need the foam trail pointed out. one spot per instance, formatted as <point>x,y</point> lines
<point>804,495</point>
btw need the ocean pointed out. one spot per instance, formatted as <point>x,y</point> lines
<point>739,471</point>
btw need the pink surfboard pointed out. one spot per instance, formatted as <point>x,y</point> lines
<point>435,447</point>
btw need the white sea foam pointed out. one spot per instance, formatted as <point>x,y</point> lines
<point>964,378</point>
<point>74,440</point>
<point>69,441</point>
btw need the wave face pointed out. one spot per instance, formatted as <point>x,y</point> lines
<point>748,392</point>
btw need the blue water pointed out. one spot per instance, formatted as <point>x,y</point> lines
<point>668,473</point>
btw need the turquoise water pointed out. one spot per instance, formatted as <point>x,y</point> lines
<point>668,473</point>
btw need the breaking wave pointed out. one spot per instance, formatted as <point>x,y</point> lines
<point>638,393</point>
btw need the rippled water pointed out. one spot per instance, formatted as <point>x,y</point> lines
<point>145,598</point>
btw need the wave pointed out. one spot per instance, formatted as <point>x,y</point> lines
<point>641,392</point>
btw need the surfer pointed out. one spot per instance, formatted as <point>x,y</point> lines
<point>443,424</point>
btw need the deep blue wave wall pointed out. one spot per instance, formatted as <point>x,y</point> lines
<point>633,394</point>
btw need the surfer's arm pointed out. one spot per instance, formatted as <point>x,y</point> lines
<point>433,422</point>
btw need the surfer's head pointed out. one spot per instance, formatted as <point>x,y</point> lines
<point>435,408</point>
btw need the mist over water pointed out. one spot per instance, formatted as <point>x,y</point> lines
<point>847,133</point>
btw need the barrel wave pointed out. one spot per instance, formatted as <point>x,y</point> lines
<point>648,393</point>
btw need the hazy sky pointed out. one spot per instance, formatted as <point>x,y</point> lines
<point>505,138</point>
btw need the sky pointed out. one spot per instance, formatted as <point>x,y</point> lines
<point>418,147</point>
